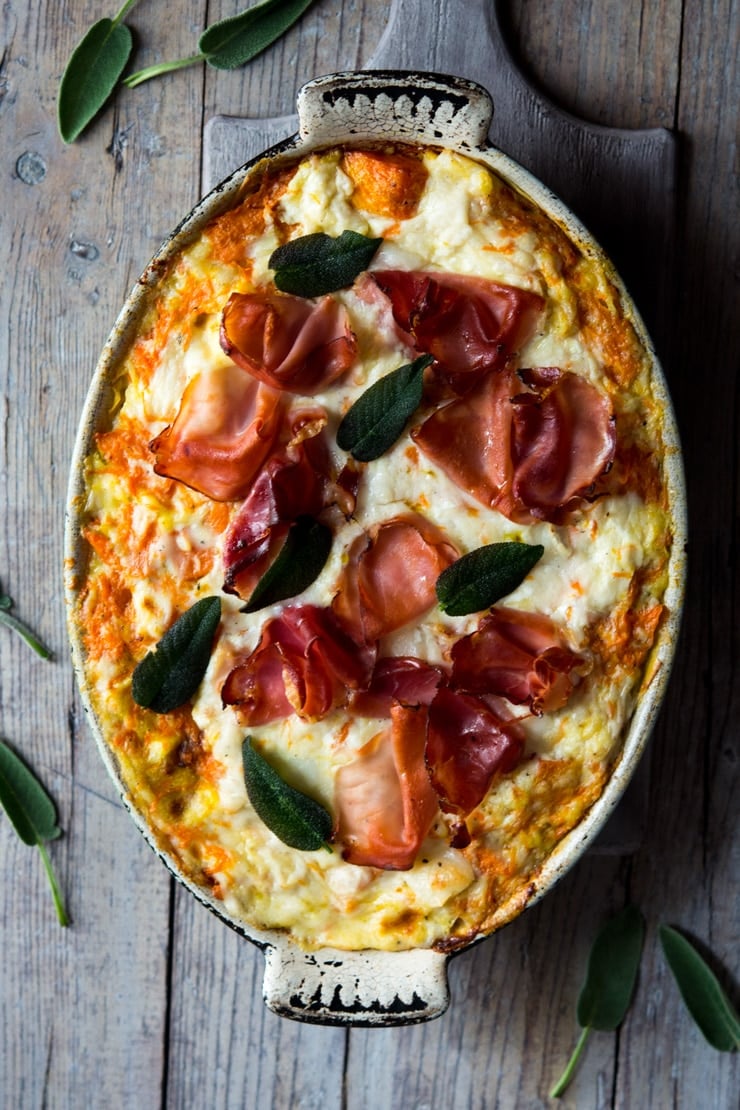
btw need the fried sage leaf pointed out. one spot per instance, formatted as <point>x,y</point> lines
<point>299,563</point>
<point>293,817</point>
<point>315,264</point>
<point>705,1000</point>
<point>32,814</point>
<point>377,418</point>
<point>482,577</point>
<point>610,981</point>
<point>92,73</point>
<point>168,676</point>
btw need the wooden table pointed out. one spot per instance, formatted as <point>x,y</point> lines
<point>147,1000</point>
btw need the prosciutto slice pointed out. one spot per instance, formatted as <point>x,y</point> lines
<point>517,655</point>
<point>289,343</point>
<point>470,325</point>
<point>533,454</point>
<point>391,575</point>
<point>467,744</point>
<point>225,428</point>
<point>303,664</point>
<point>384,801</point>
<point>292,483</point>
<point>397,678</point>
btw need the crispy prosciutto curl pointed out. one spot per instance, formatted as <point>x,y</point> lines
<point>384,801</point>
<point>290,343</point>
<point>467,744</point>
<point>396,678</point>
<point>533,455</point>
<point>390,577</point>
<point>303,664</point>
<point>470,325</point>
<point>517,655</point>
<point>294,482</point>
<point>226,427</point>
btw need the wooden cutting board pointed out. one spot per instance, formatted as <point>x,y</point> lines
<point>621,183</point>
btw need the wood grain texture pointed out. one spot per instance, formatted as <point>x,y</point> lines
<point>147,1001</point>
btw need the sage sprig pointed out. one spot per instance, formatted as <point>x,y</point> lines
<point>297,820</point>
<point>169,675</point>
<point>299,563</point>
<point>379,415</point>
<point>32,814</point>
<point>482,577</point>
<point>610,981</point>
<point>92,73</point>
<point>316,264</point>
<point>6,618</point>
<point>234,41</point>
<point>705,1000</point>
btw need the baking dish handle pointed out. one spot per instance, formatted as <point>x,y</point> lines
<point>382,104</point>
<point>330,987</point>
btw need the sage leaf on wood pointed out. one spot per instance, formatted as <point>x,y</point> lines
<point>169,675</point>
<point>297,820</point>
<point>92,73</point>
<point>234,41</point>
<point>482,577</point>
<point>610,981</point>
<point>316,264</point>
<point>299,563</point>
<point>32,814</point>
<point>379,415</point>
<point>705,1000</point>
<point>7,618</point>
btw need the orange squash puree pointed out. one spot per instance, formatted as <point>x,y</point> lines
<point>230,233</point>
<point>386,184</point>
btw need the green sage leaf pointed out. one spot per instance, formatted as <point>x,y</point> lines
<point>299,563</point>
<point>379,415</point>
<point>25,633</point>
<point>313,265</point>
<point>292,816</point>
<point>169,675</point>
<point>482,577</point>
<point>610,982</point>
<point>705,1000</point>
<point>91,75</point>
<point>32,813</point>
<point>235,41</point>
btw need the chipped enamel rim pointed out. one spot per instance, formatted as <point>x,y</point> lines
<point>374,987</point>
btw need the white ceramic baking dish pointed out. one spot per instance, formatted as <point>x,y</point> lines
<point>375,987</point>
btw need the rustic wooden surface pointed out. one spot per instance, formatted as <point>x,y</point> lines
<point>147,1001</point>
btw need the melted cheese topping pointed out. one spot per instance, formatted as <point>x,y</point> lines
<point>156,547</point>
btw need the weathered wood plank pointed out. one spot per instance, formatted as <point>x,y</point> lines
<point>84,1008</point>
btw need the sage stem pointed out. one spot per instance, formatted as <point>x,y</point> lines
<point>570,1067</point>
<point>124,12</point>
<point>55,891</point>
<point>143,75</point>
<point>25,632</point>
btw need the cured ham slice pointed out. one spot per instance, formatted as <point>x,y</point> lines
<point>517,655</point>
<point>563,440</point>
<point>290,343</point>
<point>390,577</point>
<point>384,801</point>
<point>225,429</point>
<point>292,483</point>
<point>470,325</point>
<point>402,679</point>
<point>467,744</point>
<point>533,455</point>
<point>303,664</point>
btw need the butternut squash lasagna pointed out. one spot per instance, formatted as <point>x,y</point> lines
<point>450,747</point>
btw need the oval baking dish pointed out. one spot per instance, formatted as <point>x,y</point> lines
<point>373,985</point>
